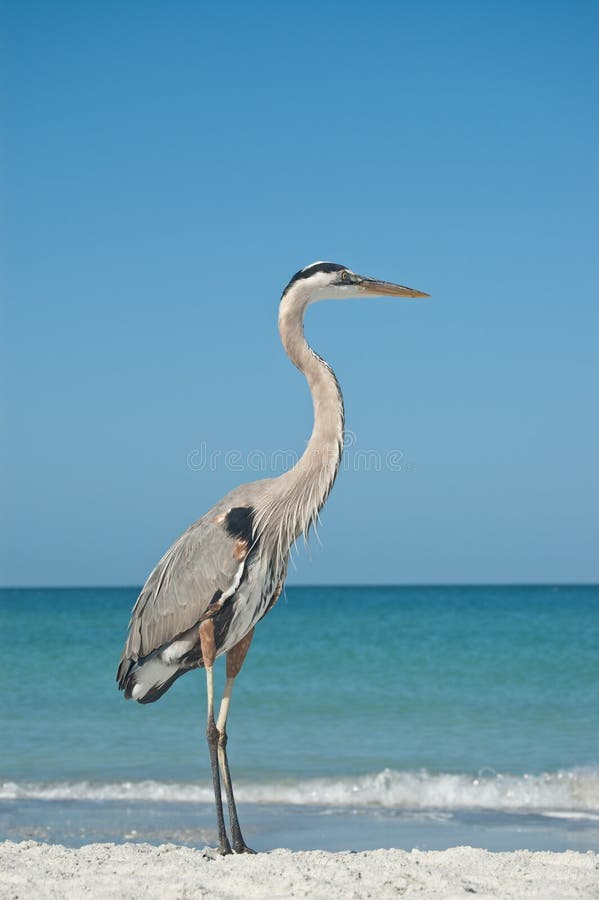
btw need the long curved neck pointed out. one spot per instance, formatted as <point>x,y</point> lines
<point>300,493</point>
<point>320,461</point>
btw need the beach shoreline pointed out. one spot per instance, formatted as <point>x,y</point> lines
<point>127,871</point>
<point>74,823</point>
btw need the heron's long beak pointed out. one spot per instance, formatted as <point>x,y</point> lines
<point>374,288</point>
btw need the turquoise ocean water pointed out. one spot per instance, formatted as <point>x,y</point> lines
<point>364,716</point>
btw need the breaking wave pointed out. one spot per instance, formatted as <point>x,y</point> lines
<point>574,791</point>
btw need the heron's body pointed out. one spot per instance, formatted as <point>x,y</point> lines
<point>222,575</point>
<point>214,571</point>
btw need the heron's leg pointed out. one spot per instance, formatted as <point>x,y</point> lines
<point>235,658</point>
<point>208,655</point>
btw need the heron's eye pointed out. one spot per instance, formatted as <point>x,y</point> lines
<point>345,276</point>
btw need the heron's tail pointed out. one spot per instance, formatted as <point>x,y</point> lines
<point>148,679</point>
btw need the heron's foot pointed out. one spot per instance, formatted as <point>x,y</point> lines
<point>242,847</point>
<point>225,848</point>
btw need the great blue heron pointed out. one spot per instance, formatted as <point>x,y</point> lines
<point>227,570</point>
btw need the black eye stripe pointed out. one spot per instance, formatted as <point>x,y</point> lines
<point>326,267</point>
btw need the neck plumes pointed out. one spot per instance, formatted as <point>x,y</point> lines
<point>299,494</point>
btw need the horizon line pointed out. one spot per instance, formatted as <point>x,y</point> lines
<point>379,584</point>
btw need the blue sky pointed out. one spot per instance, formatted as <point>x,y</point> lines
<point>167,167</point>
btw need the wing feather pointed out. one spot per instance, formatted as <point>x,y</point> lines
<point>204,564</point>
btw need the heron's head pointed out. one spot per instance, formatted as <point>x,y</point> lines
<point>327,280</point>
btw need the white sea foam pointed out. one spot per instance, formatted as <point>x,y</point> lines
<point>574,791</point>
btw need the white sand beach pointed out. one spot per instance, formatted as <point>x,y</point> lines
<point>31,869</point>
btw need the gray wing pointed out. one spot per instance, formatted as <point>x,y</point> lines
<point>203,567</point>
